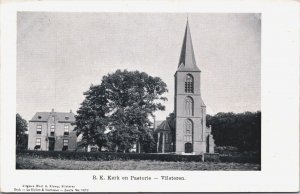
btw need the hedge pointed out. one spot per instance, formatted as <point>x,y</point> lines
<point>106,156</point>
<point>241,158</point>
<point>211,157</point>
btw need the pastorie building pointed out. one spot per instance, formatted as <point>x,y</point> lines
<point>188,134</point>
<point>52,131</point>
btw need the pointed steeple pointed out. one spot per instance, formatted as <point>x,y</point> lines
<point>187,60</point>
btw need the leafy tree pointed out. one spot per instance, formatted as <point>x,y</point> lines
<point>116,113</point>
<point>241,130</point>
<point>21,132</point>
<point>91,120</point>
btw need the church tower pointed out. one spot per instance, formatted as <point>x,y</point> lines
<point>192,135</point>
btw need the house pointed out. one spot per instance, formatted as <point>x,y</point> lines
<point>189,133</point>
<point>52,131</point>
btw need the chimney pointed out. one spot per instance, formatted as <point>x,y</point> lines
<point>70,110</point>
<point>52,110</point>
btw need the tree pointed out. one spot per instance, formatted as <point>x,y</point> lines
<point>21,132</point>
<point>241,130</point>
<point>91,120</point>
<point>116,113</point>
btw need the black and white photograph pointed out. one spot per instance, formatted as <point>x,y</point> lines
<point>138,91</point>
<point>149,96</point>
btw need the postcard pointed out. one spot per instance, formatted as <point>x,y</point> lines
<point>150,96</point>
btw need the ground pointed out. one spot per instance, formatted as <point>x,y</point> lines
<point>28,162</point>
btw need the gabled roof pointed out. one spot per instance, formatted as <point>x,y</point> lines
<point>164,126</point>
<point>187,60</point>
<point>156,124</point>
<point>68,117</point>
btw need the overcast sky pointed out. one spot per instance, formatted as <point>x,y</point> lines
<point>59,55</point>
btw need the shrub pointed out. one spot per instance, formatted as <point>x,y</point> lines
<point>21,147</point>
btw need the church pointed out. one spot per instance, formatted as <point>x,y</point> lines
<point>185,130</point>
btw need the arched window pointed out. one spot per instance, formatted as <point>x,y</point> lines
<point>188,131</point>
<point>189,84</point>
<point>189,106</point>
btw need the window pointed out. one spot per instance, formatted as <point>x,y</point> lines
<point>189,84</point>
<point>37,143</point>
<point>39,129</point>
<point>189,106</point>
<point>188,130</point>
<point>167,138</point>
<point>52,130</point>
<point>66,130</point>
<point>188,127</point>
<point>65,144</point>
<point>53,119</point>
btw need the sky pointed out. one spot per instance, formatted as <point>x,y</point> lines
<point>59,55</point>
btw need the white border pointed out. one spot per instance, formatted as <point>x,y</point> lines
<point>280,102</point>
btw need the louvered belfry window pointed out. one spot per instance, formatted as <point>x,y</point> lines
<point>189,84</point>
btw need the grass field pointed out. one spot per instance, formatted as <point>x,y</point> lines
<point>28,162</point>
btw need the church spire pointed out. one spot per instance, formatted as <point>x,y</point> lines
<point>187,58</point>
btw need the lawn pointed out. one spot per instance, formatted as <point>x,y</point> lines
<point>29,162</point>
